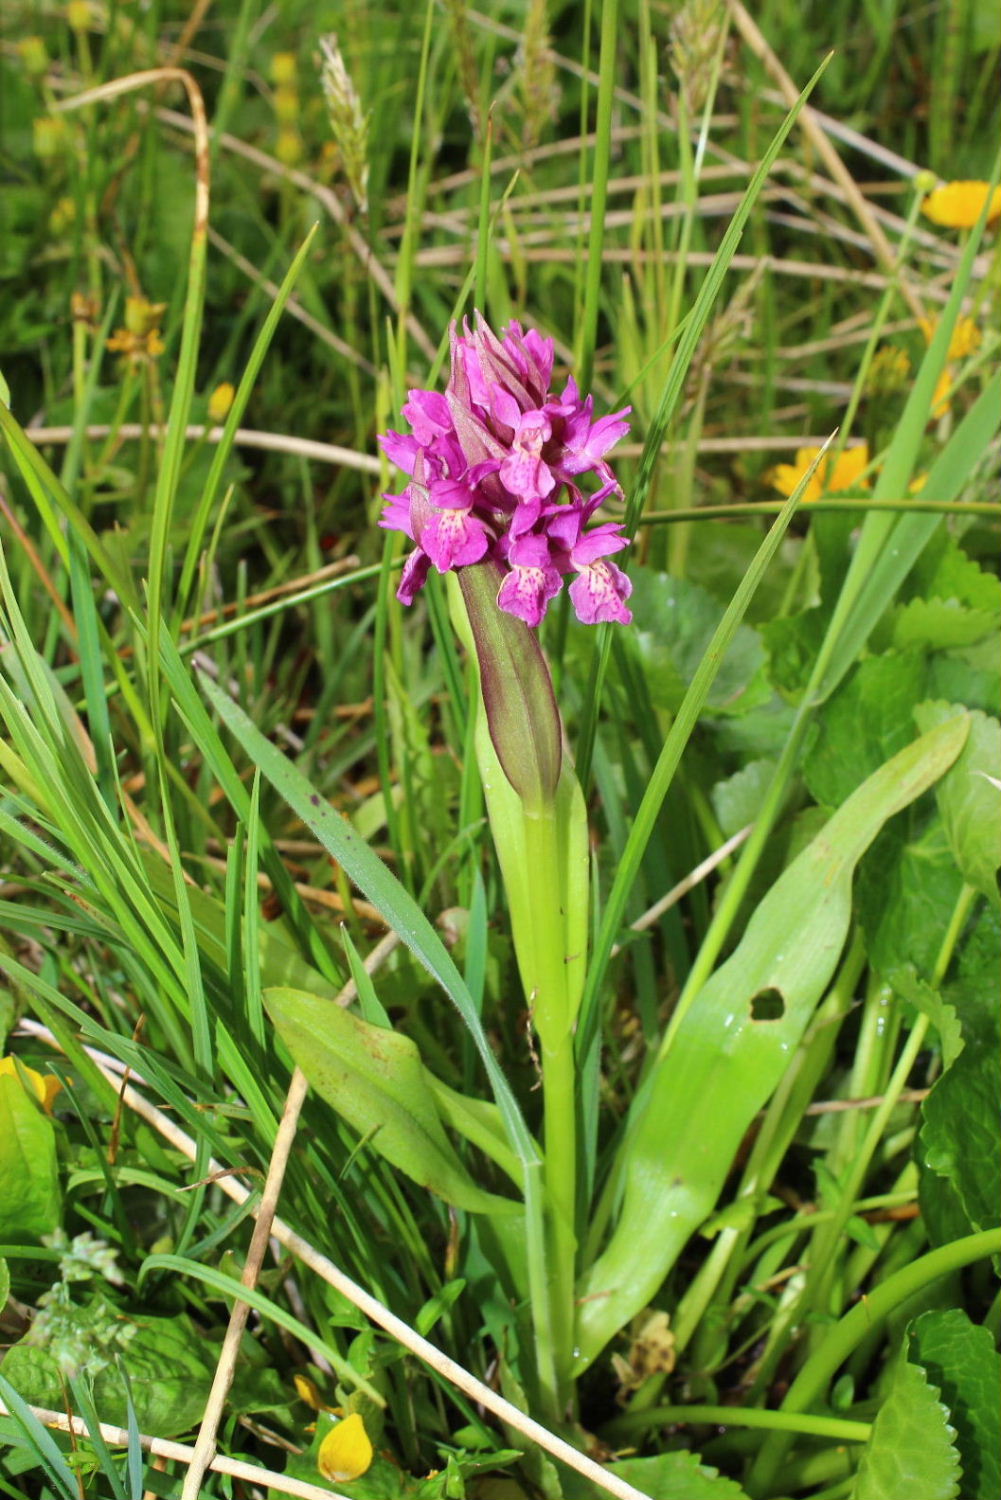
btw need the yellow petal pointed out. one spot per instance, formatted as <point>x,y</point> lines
<point>943,390</point>
<point>44,1087</point>
<point>220,401</point>
<point>964,340</point>
<point>346,1451</point>
<point>307,1390</point>
<point>846,473</point>
<point>958,205</point>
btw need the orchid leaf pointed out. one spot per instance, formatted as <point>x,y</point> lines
<point>734,1044</point>
<point>375,1080</point>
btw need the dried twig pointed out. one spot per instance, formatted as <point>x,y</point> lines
<point>274,442</point>
<point>448,1369</point>
<point>182,1453</point>
<point>882,248</point>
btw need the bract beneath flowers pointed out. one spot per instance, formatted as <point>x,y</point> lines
<point>494,465</point>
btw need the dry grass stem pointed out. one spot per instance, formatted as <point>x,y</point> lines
<point>273,442</point>
<point>882,248</point>
<point>183,1453</point>
<point>325,1268</point>
<point>205,1448</point>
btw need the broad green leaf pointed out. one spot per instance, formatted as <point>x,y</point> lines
<point>737,800</point>
<point>969,802</point>
<point>29,1174</point>
<point>479,1121</point>
<point>374,1079</point>
<point>676,1476</point>
<point>673,623</point>
<point>959,1143</point>
<point>945,571</point>
<point>968,675</point>
<point>960,1358</point>
<point>792,643</point>
<point>929,1002</point>
<point>911,1452</point>
<point>170,1364</point>
<point>4,1283</point>
<point>868,719</point>
<point>517,689</point>
<point>907,890</point>
<point>733,1045</point>
<point>941,624</point>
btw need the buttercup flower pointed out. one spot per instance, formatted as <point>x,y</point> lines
<point>844,474</point>
<point>958,205</point>
<point>346,1452</point>
<point>45,1086</point>
<point>964,340</point>
<point>220,401</point>
<point>494,465</point>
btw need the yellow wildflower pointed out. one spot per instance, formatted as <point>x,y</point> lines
<point>965,338</point>
<point>958,205</point>
<point>220,401</point>
<point>78,14</point>
<point>45,1086</point>
<point>50,136</point>
<point>288,147</point>
<point>286,104</point>
<point>284,67</point>
<point>62,216</point>
<point>889,370</point>
<point>346,1452</point>
<point>143,316</point>
<point>943,391</point>
<point>307,1390</point>
<point>32,52</point>
<point>138,348</point>
<point>844,474</point>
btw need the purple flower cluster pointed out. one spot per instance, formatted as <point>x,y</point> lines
<point>494,465</point>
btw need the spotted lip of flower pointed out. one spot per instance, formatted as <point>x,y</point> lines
<point>494,465</point>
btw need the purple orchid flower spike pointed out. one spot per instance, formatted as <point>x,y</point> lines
<point>494,467</point>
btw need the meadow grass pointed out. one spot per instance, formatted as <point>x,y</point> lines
<point>243,787</point>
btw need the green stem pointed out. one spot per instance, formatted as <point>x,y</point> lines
<point>824,1260</point>
<point>863,504</point>
<point>842,1339</point>
<point>838,1428</point>
<point>553,1018</point>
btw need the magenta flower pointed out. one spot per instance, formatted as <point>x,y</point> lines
<point>494,465</point>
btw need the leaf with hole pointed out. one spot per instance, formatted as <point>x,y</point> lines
<point>734,1044</point>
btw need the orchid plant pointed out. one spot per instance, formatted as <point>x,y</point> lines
<point>495,501</point>
<point>495,498</point>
